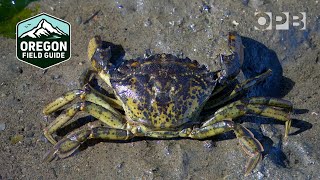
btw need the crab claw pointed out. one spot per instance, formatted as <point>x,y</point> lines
<point>98,54</point>
<point>231,59</point>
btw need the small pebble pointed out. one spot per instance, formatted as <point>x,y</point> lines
<point>192,27</point>
<point>147,23</point>
<point>235,23</point>
<point>205,8</point>
<point>120,166</point>
<point>3,95</point>
<point>20,111</point>
<point>78,19</point>
<point>53,77</point>
<point>245,2</point>
<point>2,126</point>
<point>167,151</point>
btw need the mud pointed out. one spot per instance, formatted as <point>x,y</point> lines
<point>186,28</point>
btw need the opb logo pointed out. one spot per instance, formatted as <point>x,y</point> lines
<point>282,21</point>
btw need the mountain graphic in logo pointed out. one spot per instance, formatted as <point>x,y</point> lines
<point>44,30</point>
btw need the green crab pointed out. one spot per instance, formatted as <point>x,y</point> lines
<point>163,97</point>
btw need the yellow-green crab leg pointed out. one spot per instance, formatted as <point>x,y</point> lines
<point>105,115</point>
<point>266,107</point>
<point>238,89</point>
<point>70,143</point>
<point>88,94</point>
<point>248,142</point>
<point>101,97</point>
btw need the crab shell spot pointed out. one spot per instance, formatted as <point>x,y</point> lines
<point>133,80</point>
<point>135,64</point>
<point>232,37</point>
<point>192,65</point>
<point>133,109</point>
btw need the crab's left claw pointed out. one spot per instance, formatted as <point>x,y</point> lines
<point>231,59</point>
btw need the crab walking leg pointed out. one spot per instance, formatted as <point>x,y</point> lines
<point>61,101</point>
<point>162,134</point>
<point>69,144</point>
<point>271,109</point>
<point>97,96</point>
<point>97,111</point>
<point>275,102</point>
<point>89,94</point>
<point>221,87</point>
<point>239,88</point>
<point>248,142</point>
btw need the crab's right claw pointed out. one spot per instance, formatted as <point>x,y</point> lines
<point>231,59</point>
<point>94,43</point>
<point>98,54</point>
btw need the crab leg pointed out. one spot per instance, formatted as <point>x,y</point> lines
<point>104,114</point>
<point>267,107</point>
<point>248,142</point>
<point>237,90</point>
<point>69,144</point>
<point>162,134</point>
<point>88,94</point>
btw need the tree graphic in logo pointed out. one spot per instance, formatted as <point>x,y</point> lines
<point>43,40</point>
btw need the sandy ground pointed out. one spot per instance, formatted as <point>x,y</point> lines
<point>192,29</point>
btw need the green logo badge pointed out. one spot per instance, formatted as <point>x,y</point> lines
<point>43,40</point>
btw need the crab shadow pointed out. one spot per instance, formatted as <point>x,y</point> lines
<point>257,59</point>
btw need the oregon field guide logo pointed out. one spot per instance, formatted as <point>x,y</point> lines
<point>43,40</point>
